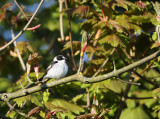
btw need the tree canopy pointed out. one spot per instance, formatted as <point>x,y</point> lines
<point>112,47</point>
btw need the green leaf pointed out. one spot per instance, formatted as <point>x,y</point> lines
<point>67,105</point>
<point>82,10</point>
<point>154,36</point>
<point>34,98</point>
<point>154,45</point>
<point>124,4</point>
<point>136,113</point>
<point>5,83</point>
<point>46,95</point>
<point>112,39</point>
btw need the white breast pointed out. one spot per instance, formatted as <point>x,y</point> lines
<point>59,70</point>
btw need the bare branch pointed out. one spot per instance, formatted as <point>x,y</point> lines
<point>18,53</point>
<point>142,98</point>
<point>70,37</point>
<point>61,19</point>
<point>24,29</point>
<point>131,83</point>
<point>21,9</point>
<point>20,113</point>
<point>104,63</point>
<point>76,77</point>
<point>136,73</point>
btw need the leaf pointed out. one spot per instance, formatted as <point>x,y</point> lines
<point>141,4</point>
<point>154,45</point>
<point>124,4</point>
<point>98,61</point>
<point>114,24</point>
<point>112,39</point>
<point>105,111</point>
<point>149,102</point>
<point>34,59</point>
<point>3,10</point>
<point>66,105</point>
<point>7,5</point>
<point>154,36</point>
<point>98,34</point>
<point>136,113</point>
<point>34,110</point>
<point>23,46</point>
<point>34,98</point>
<point>4,84</point>
<point>12,114</point>
<point>156,91</point>
<point>76,45</point>
<point>83,10</point>
<point>84,116</point>
<point>2,15</point>
<point>46,95</point>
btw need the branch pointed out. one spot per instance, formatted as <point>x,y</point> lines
<point>20,113</point>
<point>76,77</point>
<point>18,53</point>
<point>104,63</point>
<point>142,98</point>
<point>70,37</point>
<point>61,19</point>
<point>21,9</point>
<point>123,99</point>
<point>24,29</point>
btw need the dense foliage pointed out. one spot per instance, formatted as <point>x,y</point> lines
<point>119,33</point>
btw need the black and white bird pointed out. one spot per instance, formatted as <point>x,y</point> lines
<point>57,69</point>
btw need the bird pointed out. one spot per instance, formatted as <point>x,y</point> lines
<point>57,69</point>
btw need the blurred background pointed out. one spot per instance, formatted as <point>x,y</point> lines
<point>120,31</point>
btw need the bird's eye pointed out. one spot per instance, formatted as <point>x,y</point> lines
<point>59,57</point>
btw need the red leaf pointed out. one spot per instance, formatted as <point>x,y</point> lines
<point>34,110</point>
<point>7,5</point>
<point>141,4</point>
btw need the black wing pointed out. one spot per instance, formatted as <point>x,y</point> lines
<point>50,66</point>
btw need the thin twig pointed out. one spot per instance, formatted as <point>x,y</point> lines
<point>18,53</point>
<point>142,98</point>
<point>61,19</point>
<point>148,66</point>
<point>88,98</point>
<point>20,113</point>
<point>131,83</point>
<point>135,72</point>
<point>81,63</point>
<point>11,109</point>
<point>70,37</point>
<point>102,9</point>
<point>104,63</point>
<point>97,15</point>
<point>21,9</point>
<point>124,97</point>
<point>24,29</point>
<point>149,81</point>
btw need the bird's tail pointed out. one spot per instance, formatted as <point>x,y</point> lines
<point>40,79</point>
